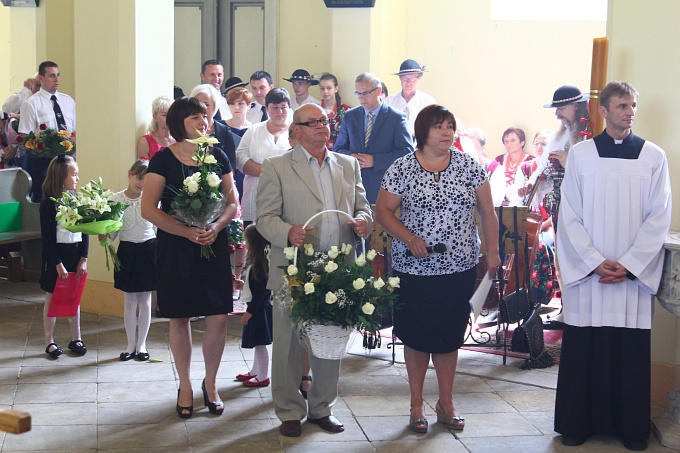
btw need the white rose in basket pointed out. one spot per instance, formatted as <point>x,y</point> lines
<point>292,270</point>
<point>331,298</point>
<point>361,260</point>
<point>368,308</point>
<point>378,283</point>
<point>371,254</point>
<point>309,288</point>
<point>331,266</point>
<point>309,249</point>
<point>346,249</point>
<point>289,252</point>
<point>358,283</point>
<point>393,282</point>
<point>333,252</point>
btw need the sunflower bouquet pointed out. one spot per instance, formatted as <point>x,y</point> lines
<point>49,142</point>
<point>91,211</point>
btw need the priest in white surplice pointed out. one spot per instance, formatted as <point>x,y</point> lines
<point>614,217</point>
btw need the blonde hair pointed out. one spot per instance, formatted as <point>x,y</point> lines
<point>160,104</point>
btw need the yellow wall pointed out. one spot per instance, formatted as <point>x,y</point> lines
<point>5,70</point>
<point>305,40</point>
<point>20,47</point>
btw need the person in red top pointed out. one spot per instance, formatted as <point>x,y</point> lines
<point>332,104</point>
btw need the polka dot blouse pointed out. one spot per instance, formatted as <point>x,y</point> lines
<point>439,207</point>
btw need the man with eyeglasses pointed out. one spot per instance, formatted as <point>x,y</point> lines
<point>374,133</point>
<point>410,100</point>
<point>294,186</point>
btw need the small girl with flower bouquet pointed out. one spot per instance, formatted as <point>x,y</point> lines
<point>257,320</point>
<point>137,255</point>
<point>62,251</point>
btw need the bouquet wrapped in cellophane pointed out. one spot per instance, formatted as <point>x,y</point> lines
<point>199,201</point>
<point>91,211</point>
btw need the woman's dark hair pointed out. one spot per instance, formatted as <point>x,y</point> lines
<point>277,96</point>
<point>332,78</point>
<point>56,175</point>
<point>179,110</point>
<point>428,117</point>
<point>258,259</point>
<point>515,130</point>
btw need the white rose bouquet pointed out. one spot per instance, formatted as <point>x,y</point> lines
<point>91,211</point>
<point>327,290</point>
<point>199,201</point>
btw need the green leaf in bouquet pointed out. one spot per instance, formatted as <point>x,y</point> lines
<point>196,204</point>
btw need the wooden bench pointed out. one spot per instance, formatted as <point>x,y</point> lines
<point>15,185</point>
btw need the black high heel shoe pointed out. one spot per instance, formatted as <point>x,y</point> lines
<point>181,409</point>
<point>215,408</point>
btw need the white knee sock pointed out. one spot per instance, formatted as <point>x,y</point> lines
<point>144,320</point>
<point>130,320</point>
<point>261,363</point>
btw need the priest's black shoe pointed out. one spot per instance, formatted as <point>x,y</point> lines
<point>573,441</point>
<point>553,325</point>
<point>635,445</point>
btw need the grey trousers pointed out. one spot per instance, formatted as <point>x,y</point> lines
<point>287,362</point>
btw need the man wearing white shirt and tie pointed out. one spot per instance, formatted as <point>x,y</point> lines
<point>49,107</point>
<point>261,83</point>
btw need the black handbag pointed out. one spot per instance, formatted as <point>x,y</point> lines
<point>515,306</point>
<point>528,337</point>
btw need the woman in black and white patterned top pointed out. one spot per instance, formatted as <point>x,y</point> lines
<point>438,191</point>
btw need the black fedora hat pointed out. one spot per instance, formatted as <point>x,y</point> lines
<point>233,82</point>
<point>565,95</point>
<point>300,75</point>
<point>410,67</point>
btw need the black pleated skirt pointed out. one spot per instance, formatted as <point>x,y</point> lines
<point>70,256</point>
<point>138,267</point>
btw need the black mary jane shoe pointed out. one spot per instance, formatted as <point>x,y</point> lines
<point>54,353</point>
<point>143,356</point>
<point>216,408</point>
<point>125,356</point>
<point>180,409</point>
<point>78,347</point>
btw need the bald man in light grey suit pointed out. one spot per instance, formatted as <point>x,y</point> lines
<point>292,188</point>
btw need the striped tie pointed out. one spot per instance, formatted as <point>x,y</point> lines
<point>369,128</point>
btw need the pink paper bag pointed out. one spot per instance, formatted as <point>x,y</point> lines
<point>67,295</point>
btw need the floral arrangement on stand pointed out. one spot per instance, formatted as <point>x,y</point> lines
<point>327,291</point>
<point>199,201</point>
<point>91,211</point>
<point>49,142</point>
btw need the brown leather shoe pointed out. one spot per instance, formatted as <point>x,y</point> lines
<point>328,423</point>
<point>291,428</point>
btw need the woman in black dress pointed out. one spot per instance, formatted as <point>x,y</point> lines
<point>189,285</point>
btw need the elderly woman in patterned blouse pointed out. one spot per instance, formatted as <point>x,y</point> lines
<point>438,190</point>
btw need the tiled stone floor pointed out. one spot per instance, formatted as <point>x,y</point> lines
<point>97,403</point>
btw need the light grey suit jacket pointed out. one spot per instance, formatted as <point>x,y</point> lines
<point>288,195</point>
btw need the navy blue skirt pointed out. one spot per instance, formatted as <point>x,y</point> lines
<point>433,310</point>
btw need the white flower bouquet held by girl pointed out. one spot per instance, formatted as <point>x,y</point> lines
<point>199,201</point>
<point>91,211</point>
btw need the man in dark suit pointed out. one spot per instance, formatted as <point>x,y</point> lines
<point>374,133</point>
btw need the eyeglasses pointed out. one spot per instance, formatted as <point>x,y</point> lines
<point>364,93</point>
<point>314,123</point>
<point>543,144</point>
